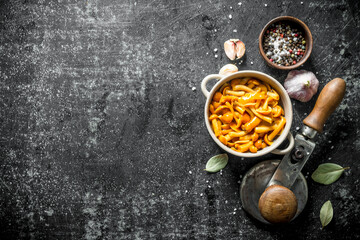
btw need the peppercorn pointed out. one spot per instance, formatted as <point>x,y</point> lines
<point>283,44</point>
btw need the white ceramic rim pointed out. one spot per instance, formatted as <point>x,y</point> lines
<point>285,102</point>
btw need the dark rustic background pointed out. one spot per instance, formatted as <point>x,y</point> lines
<point>102,130</point>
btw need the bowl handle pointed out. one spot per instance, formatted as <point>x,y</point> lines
<point>205,81</point>
<point>286,150</point>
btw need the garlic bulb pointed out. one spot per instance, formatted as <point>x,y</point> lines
<point>228,69</point>
<point>301,85</point>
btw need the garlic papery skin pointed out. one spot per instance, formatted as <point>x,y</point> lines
<point>228,69</point>
<point>301,85</point>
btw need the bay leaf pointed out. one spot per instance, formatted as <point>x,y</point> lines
<point>326,213</point>
<point>327,173</point>
<point>216,163</point>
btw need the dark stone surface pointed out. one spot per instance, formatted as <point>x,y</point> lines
<point>103,137</point>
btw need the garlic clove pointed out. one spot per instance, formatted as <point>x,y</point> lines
<point>240,49</point>
<point>228,69</point>
<point>229,48</point>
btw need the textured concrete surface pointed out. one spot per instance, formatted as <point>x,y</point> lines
<point>102,130</point>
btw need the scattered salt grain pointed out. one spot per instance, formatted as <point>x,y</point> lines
<point>251,63</point>
<point>216,56</point>
<point>234,30</point>
<point>297,128</point>
<point>190,172</point>
<point>193,88</point>
<point>301,3</point>
<point>265,5</point>
<point>215,49</point>
<point>230,16</point>
<point>239,3</point>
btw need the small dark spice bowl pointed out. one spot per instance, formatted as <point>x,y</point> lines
<point>285,43</point>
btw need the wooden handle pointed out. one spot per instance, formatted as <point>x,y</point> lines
<point>328,100</point>
<point>278,204</point>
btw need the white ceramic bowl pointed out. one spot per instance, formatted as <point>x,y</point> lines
<point>284,102</point>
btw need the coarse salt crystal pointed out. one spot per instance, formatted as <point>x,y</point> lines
<point>215,49</point>
<point>216,56</point>
<point>265,5</point>
<point>234,30</point>
<point>193,88</point>
<point>251,63</point>
<point>239,3</point>
<point>230,16</point>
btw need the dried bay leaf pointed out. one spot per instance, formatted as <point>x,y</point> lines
<point>327,173</point>
<point>326,213</point>
<point>216,163</point>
